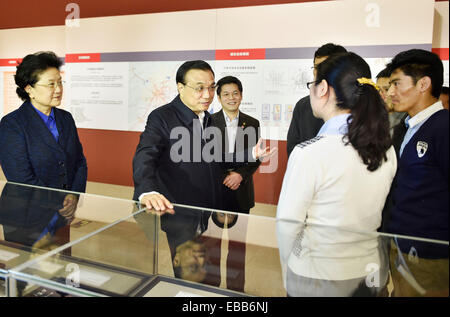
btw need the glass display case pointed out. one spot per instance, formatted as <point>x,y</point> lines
<point>150,256</point>
<point>113,247</point>
<point>36,220</point>
<point>203,252</point>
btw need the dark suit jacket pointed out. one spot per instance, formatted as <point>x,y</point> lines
<point>193,181</point>
<point>397,140</point>
<point>244,196</point>
<point>29,153</point>
<point>304,125</point>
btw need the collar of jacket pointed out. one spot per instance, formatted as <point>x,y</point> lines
<point>187,115</point>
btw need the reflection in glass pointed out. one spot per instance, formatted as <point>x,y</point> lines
<point>200,242</point>
<point>35,220</point>
<point>200,252</point>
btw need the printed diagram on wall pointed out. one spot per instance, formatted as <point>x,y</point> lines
<point>151,85</point>
<point>275,82</point>
<point>300,77</point>
<point>8,90</point>
<point>287,77</point>
<point>284,85</point>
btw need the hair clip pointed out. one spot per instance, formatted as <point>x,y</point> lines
<point>368,81</point>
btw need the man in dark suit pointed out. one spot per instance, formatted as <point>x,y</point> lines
<point>304,125</point>
<point>239,132</point>
<point>160,175</point>
<point>176,159</point>
<point>168,165</point>
<point>173,160</point>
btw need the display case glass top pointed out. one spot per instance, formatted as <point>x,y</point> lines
<point>205,252</point>
<point>36,220</point>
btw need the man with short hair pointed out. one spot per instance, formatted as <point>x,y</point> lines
<point>383,83</point>
<point>158,179</point>
<point>421,194</point>
<point>304,125</point>
<point>176,159</point>
<point>235,128</point>
<point>239,132</point>
<point>165,172</point>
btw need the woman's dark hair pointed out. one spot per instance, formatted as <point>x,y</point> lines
<point>368,124</point>
<point>31,67</point>
<point>228,80</point>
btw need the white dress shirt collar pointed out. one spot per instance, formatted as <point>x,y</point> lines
<point>201,117</point>
<point>424,114</point>
<point>228,121</point>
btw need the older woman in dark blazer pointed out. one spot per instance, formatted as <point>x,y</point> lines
<point>39,143</point>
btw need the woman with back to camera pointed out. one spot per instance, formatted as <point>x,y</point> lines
<point>39,143</point>
<point>337,184</point>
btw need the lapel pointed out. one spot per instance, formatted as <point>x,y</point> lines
<point>186,116</point>
<point>242,124</point>
<point>62,129</point>
<point>38,127</point>
<point>220,120</point>
<point>221,124</point>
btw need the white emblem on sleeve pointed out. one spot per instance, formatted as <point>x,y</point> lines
<point>421,148</point>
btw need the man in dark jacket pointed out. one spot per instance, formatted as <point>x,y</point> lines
<point>179,160</point>
<point>304,125</point>
<point>178,157</point>
<point>421,190</point>
<point>160,175</point>
<point>239,132</point>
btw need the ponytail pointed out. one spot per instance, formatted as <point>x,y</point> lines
<point>368,123</point>
<point>368,129</point>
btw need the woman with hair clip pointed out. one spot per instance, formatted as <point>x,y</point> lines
<point>335,187</point>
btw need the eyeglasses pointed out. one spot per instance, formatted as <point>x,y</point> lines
<point>310,83</point>
<point>52,85</point>
<point>200,89</point>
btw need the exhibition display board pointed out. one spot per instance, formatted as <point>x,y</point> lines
<point>119,67</point>
<point>114,80</point>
